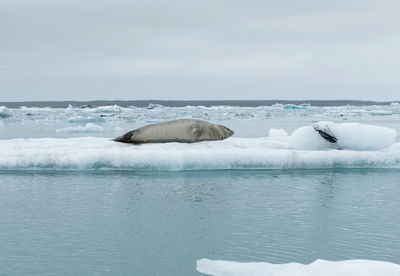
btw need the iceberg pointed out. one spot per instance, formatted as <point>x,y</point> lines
<point>316,268</point>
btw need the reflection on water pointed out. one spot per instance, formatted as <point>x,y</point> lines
<point>119,223</point>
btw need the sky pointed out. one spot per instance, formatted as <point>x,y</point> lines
<point>199,50</point>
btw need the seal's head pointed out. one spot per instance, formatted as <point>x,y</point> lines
<point>226,132</point>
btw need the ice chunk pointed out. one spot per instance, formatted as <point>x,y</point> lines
<point>108,109</point>
<point>153,106</point>
<point>4,112</point>
<point>316,268</point>
<point>293,106</point>
<point>353,136</point>
<point>89,127</point>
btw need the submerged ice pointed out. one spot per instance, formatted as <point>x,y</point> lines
<point>316,268</point>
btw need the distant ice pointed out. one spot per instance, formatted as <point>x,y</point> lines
<point>293,106</point>
<point>153,106</point>
<point>316,268</point>
<point>84,119</point>
<point>4,112</point>
<point>88,128</point>
<point>381,112</point>
<point>155,112</point>
<point>108,109</point>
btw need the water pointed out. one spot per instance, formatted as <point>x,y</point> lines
<point>56,220</point>
<point>124,223</point>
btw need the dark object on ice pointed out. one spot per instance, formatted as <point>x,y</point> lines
<point>325,133</point>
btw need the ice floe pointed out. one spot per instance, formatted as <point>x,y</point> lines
<point>234,153</point>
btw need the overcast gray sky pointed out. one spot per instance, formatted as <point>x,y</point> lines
<point>208,49</point>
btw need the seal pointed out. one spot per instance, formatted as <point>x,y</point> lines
<point>325,132</point>
<point>182,131</point>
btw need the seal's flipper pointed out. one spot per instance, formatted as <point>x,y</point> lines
<point>325,133</point>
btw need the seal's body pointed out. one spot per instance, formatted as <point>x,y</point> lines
<point>182,131</point>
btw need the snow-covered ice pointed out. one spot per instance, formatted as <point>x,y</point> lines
<point>353,136</point>
<point>233,153</point>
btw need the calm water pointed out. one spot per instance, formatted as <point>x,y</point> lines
<point>126,223</point>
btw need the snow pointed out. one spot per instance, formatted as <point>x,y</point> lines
<point>316,268</point>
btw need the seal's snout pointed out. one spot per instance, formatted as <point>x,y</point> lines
<point>227,132</point>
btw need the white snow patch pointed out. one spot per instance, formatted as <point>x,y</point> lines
<point>316,268</point>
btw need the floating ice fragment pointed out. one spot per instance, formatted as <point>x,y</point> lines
<point>108,109</point>
<point>293,106</point>
<point>4,112</point>
<point>153,106</point>
<point>316,268</point>
<point>352,136</point>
